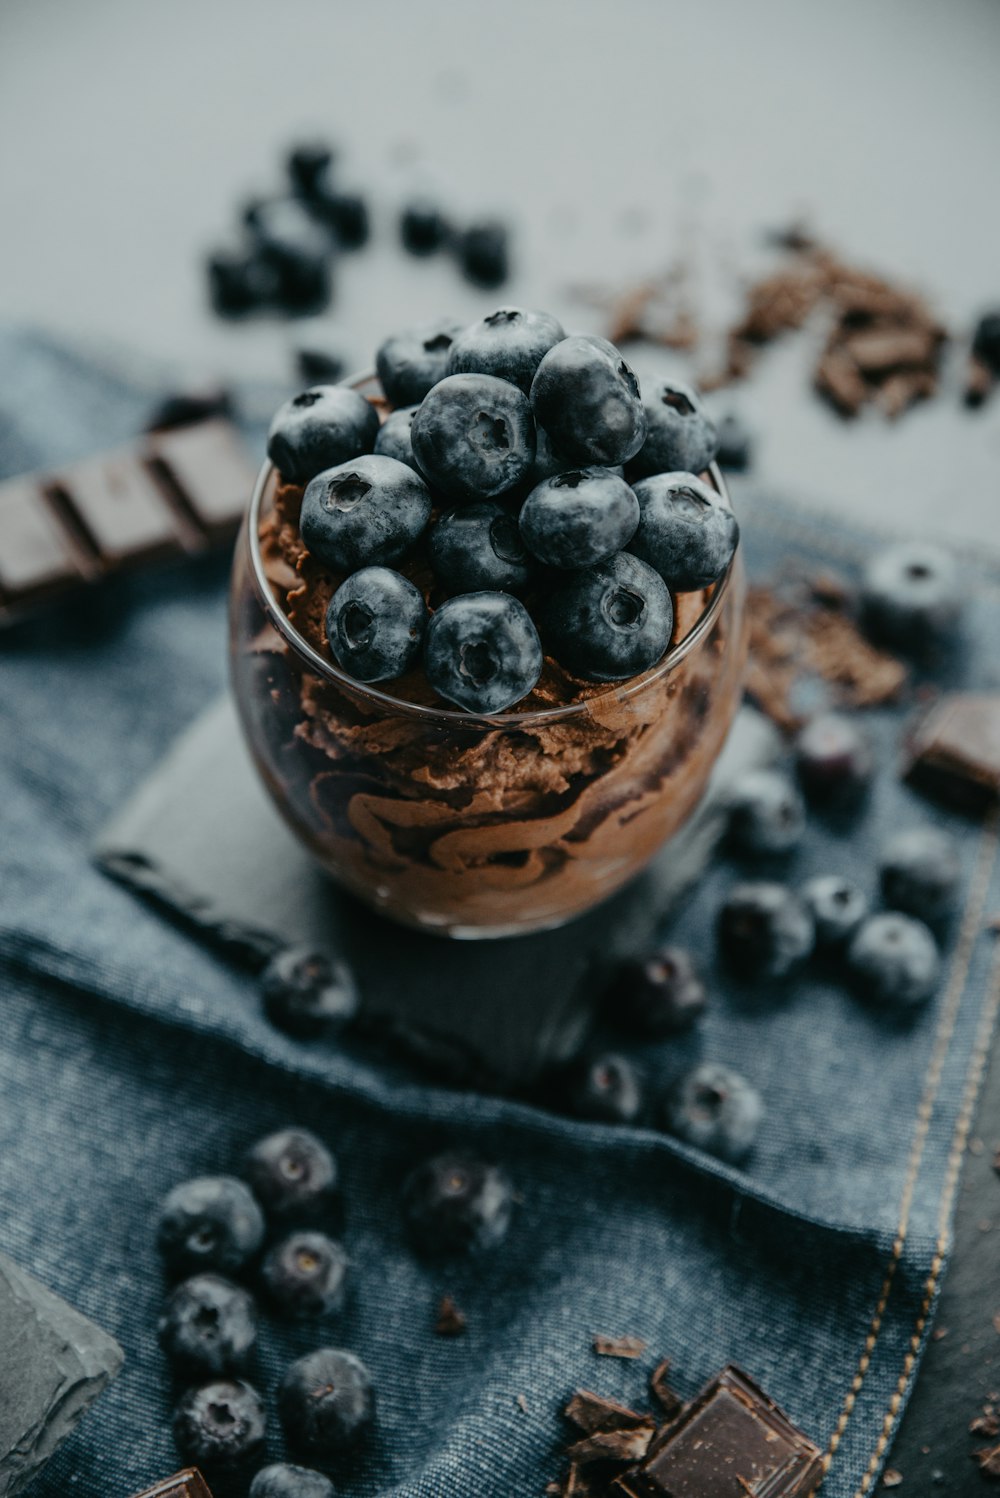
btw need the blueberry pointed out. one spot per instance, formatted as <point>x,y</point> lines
<point>309,165</point>
<point>838,907</point>
<point>921,873</point>
<point>605,1088</point>
<point>685,531</point>
<point>482,652</point>
<point>297,249</point>
<point>474,437</point>
<point>306,993</point>
<point>283,1480</point>
<point>766,813</point>
<point>765,929</point>
<point>735,450</point>
<point>319,360</point>
<point>548,462</point>
<point>411,363</point>
<point>911,596</point>
<point>375,624</point>
<point>319,428</point>
<point>680,435</point>
<point>510,344</point>
<point>479,547</point>
<point>986,340</point>
<point>715,1109</point>
<point>579,517</point>
<point>894,960</point>
<point>483,253</point>
<point>346,213</point>
<point>457,1203</point>
<point>835,760</point>
<point>211,1222</point>
<point>657,995</point>
<point>395,439</point>
<point>588,400</point>
<point>610,621</point>
<point>292,1173</point>
<point>209,1325</point>
<point>220,1426</point>
<point>326,1402</point>
<point>423,228</point>
<point>369,511</point>
<point>240,282</point>
<point>306,1275</point>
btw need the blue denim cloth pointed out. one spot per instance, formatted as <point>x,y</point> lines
<point>132,1057</point>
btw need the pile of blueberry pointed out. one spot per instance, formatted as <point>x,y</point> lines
<point>556,507</point>
<point>269,1225</point>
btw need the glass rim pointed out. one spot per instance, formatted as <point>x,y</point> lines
<point>455,717</point>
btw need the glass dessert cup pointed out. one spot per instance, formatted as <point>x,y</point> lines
<point>472,826</point>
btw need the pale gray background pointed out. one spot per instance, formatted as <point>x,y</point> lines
<point>614,134</point>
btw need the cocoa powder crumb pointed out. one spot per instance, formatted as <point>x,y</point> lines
<point>891,1478</point>
<point>450,1322</point>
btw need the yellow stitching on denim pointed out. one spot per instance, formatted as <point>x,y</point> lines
<point>954,993</point>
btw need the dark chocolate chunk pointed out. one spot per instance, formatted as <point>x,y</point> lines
<point>730,1441</point>
<point>667,1398</point>
<point>53,1366</point>
<point>618,1347</point>
<point>38,555</point>
<point>186,1484</point>
<point>954,751</point>
<point>592,1413</point>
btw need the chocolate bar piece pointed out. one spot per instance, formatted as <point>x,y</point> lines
<point>186,1484</point>
<point>732,1441</point>
<point>53,1365</point>
<point>954,751</point>
<point>173,493</point>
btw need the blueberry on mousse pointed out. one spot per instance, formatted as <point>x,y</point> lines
<point>474,436</point>
<point>375,624</point>
<point>368,512</point>
<point>482,652</point>
<point>395,439</point>
<point>685,530</point>
<point>318,429</point>
<point>479,547</point>
<point>680,438</point>
<point>510,344</point>
<point>587,398</point>
<point>410,364</point>
<point>457,1203</point>
<point>579,517</point>
<point>610,621</point>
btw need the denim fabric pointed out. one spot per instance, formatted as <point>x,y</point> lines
<point>131,1057</point>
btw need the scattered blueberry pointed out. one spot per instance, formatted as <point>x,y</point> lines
<point>474,436</point>
<point>284,1480</point>
<point>838,907</point>
<point>483,253</point>
<point>211,1222</point>
<point>765,929</point>
<point>209,1326</point>
<point>395,439</point>
<point>239,281</point>
<point>680,435</point>
<point>482,652</point>
<point>509,344</point>
<point>610,621</point>
<point>479,547</point>
<point>423,228</point>
<point>319,359</point>
<point>835,760</point>
<point>411,363</point>
<point>346,213</point>
<point>605,1088</point>
<point>326,1402</point>
<point>911,596</point>
<point>375,624</point>
<point>715,1109</point>
<point>766,813</point>
<point>306,993</point>
<point>579,517</point>
<point>588,400</point>
<point>735,448</point>
<point>288,239</point>
<point>292,1172</point>
<point>306,1275</point>
<point>921,873</point>
<point>309,165</point>
<point>457,1203</point>
<point>369,511</point>
<point>986,340</point>
<point>894,960</point>
<point>685,531</point>
<point>657,995</point>
<point>319,428</point>
<point>220,1426</point>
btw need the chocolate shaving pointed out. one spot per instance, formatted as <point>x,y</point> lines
<point>987,1424</point>
<point>618,1347</point>
<point>668,1398</point>
<point>988,1458</point>
<point>450,1322</point>
<point>891,1478</point>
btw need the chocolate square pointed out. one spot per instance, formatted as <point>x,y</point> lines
<point>732,1441</point>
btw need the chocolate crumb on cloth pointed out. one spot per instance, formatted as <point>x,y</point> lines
<point>450,1321</point>
<point>618,1347</point>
